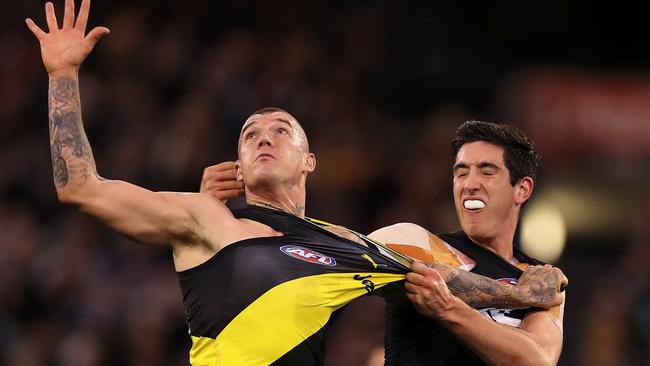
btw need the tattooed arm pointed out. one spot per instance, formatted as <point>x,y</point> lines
<point>537,341</point>
<point>536,288</point>
<point>148,217</point>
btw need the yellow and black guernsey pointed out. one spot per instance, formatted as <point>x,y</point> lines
<point>268,300</point>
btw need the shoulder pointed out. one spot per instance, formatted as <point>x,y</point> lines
<point>214,221</point>
<point>403,233</point>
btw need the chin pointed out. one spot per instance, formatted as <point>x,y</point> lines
<point>262,180</point>
<point>475,231</point>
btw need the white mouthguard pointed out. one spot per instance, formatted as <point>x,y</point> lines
<point>473,204</point>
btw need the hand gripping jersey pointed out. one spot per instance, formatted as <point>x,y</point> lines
<point>414,340</point>
<point>268,300</point>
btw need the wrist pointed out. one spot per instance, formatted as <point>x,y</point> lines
<point>456,313</point>
<point>523,298</point>
<point>72,72</point>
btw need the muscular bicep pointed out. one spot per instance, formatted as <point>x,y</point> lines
<point>154,218</point>
<point>545,327</point>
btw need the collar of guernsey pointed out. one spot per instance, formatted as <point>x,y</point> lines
<point>263,300</point>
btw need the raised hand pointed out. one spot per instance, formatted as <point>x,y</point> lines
<point>63,50</point>
<point>220,181</point>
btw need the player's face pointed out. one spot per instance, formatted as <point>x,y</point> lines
<point>485,200</point>
<point>271,150</point>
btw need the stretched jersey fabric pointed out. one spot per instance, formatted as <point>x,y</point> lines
<point>414,340</point>
<point>268,300</point>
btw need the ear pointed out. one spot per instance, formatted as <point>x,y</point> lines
<point>523,190</point>
<point>238,175</point>
<point>309,163</point>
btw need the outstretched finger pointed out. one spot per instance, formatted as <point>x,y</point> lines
<point>38,32</point>
<point>51,17</point>
<point>96,34</point>
<point>82,19</point>
<point>68,14</point>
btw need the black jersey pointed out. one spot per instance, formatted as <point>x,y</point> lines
<point>268,300</point>
<point>414,340</point>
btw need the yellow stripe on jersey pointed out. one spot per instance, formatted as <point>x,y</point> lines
<point>283,317</point>
<point>203,352</point>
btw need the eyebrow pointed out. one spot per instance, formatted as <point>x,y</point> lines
<point>481,165</point>
<point>275,119</point>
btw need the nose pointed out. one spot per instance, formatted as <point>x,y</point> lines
<point>471,181</point>
<point>264,140</point>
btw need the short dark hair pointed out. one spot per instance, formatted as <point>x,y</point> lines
<point>519,153</point>
<point>266,110</point>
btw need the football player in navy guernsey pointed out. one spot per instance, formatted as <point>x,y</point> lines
<point>493,176</point>
<point>259,284</point>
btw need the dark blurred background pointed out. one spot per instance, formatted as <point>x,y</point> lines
<point>380,88</point>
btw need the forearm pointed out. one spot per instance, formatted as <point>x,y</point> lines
<point>481,292</point>
<point>72,159</point>
<point>494,343</point>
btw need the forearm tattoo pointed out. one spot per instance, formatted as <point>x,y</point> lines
<point>72,159</point>
<point>478,291</point>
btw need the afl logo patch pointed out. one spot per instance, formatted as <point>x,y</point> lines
<point>308,255</point>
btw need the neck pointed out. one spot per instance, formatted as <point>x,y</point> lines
<point>502,243</point>
<point>289,202</point>
<point>502,248</point>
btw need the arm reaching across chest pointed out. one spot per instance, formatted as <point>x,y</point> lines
<point>537,341</point>
<point>540,290</point>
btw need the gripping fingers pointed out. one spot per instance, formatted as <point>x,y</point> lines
<point>233,193</point>
<point>227,185</point>
<point>415,278</point>
<point>412,289</point>
<point>222,186</point>
<point>563,281</point>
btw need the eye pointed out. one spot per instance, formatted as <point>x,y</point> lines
<point>249,135</point>
<point>281,130</point>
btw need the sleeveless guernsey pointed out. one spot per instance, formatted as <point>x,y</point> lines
<point>268,300</point>
<point>414,340</point>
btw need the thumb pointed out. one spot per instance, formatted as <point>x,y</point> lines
<point>97,33</point>
<point>564,281</point>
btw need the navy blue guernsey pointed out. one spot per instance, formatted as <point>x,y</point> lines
<point>414,340</point>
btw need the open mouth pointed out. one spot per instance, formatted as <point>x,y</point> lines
<point>473,205</point>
